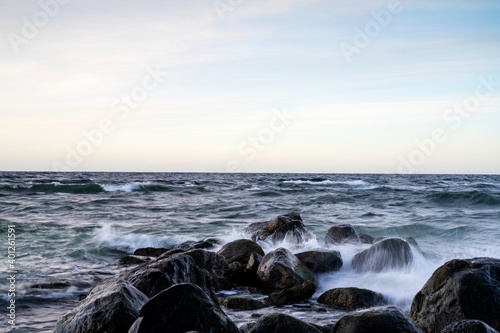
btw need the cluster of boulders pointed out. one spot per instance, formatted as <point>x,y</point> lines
<point>174,290</point>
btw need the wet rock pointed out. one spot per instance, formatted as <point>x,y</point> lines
<point>241,303</point>
<point>295,232</point>
<point>366,239</point>
<point>387,319</point>
<point>321,261</point>
<point>215,265</point>
<point>182,308</point>
<point>133,260</point>
<point>51,285</point>
<point>281,323</point>
<point>240,250</point>
<point>351,298</point>
<point>208,243</point>
<point>258,231</point>
<point>150,251</point>
<point>469,326</point>
<point>161,274</point>
<point>293,294</point>
<point>340,234</point>
<point>280,269</point>
<point>281,220</point>
<point>390,253</point>
<point>253,262</point>
<point>111,306</point>
<point>460,289</point>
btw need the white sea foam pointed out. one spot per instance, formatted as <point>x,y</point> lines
<point>109,236</point>
<point>353,183</point>
<point>128,187</point>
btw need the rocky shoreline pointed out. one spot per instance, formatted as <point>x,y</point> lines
<point>182,289</point>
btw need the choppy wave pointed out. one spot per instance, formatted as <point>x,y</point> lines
<point>466,198</point>
<point>322,181</point>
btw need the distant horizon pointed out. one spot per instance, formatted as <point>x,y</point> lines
<point>372,86</point>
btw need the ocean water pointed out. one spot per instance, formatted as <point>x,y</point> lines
<point>72,228</point>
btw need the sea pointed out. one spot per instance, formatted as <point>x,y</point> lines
<point>71,229</point>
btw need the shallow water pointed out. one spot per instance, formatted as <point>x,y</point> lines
<point>73,227</point>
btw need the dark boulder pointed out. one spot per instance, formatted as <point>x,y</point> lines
<point>182,308</point>
<point>258,231</point>
<point>281,220</point>
<point>281,323</point>
<point>111,306</point>
<point>293,294</point>
<point>387,319</point>
<point>460,289</point>
<point>280,269</point>
<point>242,303</point>
<point>161,274</point>
<point>133,260</point>
<point>352,298</point>
<point>321,261</point>
<point>208,243</point>
<point>216,266</point>
<point>150,251</point>
<point>295,232</point>
<point>366,239</point>
<point>469,326</point>
<point>340,234</point>
<point>240,250</point>
<point>390,253</point>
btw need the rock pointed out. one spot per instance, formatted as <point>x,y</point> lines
<point>150,251</point>
<point>281,220</point>
<point>390,253</point>
<point>281,323</point>
<point>293,294</point>
<point>193,245</point>
<point>241,303</point>
<point>111,306</point>
<point>182,308</point>
<point>51,285</point>
<point>253,263</point>
<point>258,231</point>
<point>366,239</point>
<point>133,260</point>
<point>215,265</point>
<point>352,298</point>
<point>387,319</point>
<point>280,269</point>
<point>460,289</point>
<point>340,234</point>
<point>240,250</point>
<point>162,273</point>
<point>469,326</point>
<point>321,261</point>
<point>247,327</point>
<point>295,232</point>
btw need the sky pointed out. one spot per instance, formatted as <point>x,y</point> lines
<point>337,86</point>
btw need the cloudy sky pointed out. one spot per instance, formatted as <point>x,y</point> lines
<point>250,85</point>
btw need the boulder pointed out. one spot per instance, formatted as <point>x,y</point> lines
<point>133,260</point>
<point>352,298</point>
<point>469,326</point>
<point>280,269</point>
<point>111,306</point>
<point>240,250</point>
<point>281,323</point>
<point>281,220</point>
<point>387,319</point>
<point>241,303</point>
<point>193,245</point>
<point>162,273</point>
<point>321,261</point>
<point>293,294</point>
<point>340,234</point>
<point>390,253</point>
<point>215,265</point>
<point>460,289</point>
<point>295,232</point>
<point>150,251</point>
<point>366,239</point>
<point>182,308</point>
<point>258,231</point>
